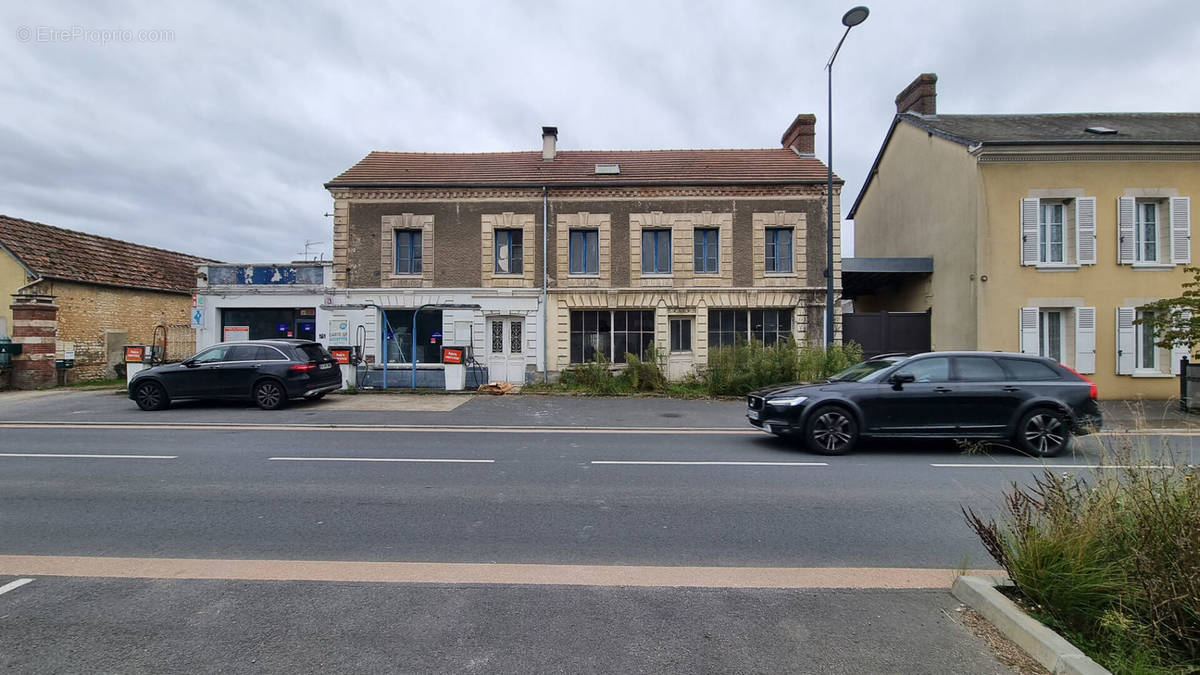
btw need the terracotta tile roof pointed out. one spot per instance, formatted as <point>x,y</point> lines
<point>56,253</point>
<point>578,167</point>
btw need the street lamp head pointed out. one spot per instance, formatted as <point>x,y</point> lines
<point>855,16</point>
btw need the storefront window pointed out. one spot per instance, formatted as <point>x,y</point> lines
<point>400,343</point>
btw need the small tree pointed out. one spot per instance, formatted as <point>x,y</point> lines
<point>1176,321</point>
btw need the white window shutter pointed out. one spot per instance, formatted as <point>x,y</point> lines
<point>1029,231</point>
<point>1126,340</point>
<point>1180,351</point>
<point>1085,339</point>
<point>1125,242</point>
<point>1181,230</point>
<point>1029,330</point>
<point>1085,230</point>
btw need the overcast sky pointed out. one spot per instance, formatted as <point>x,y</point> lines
<point>209,128</point>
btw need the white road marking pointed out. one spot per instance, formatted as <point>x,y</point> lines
<point>665,463</point>
<point>1050,466</point>
<point>380,459</point>
<point>13,585</point>
<point>410,428</point>
<point>74,456</point>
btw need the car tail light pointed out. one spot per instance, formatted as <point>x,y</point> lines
<point>302,367</point>
<point>1092,392</point>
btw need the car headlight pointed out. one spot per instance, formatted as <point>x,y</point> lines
<point>793,400</point>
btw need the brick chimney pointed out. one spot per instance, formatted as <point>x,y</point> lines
<point>549,141</point>
<point>799,136</point>
<point>919,97</point>
<point>35,324</point>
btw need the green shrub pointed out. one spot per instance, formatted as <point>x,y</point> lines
<point>646,375</point>
<point>1113,558</point>
<point>746,366</point>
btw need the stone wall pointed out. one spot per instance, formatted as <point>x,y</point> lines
<point>88,315</point>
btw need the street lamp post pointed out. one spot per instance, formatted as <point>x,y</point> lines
<point>850,19</point>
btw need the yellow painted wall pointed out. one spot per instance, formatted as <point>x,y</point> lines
<point>12,277</point>
<point>923,202</point>
<point>1105,285</point>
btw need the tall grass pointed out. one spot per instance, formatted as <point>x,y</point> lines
<point>746,366</point>
<point>1111,558</point>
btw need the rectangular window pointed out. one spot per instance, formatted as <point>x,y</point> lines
<point>508,252</point>
<point>584,252</point>
<point>1051,231</point>
<point>681,335</point>
<point>1147,351</point>
<point>399,339</point>
<point>768,326</point>
<point>1050,338</point>
<point>779,249</point>
<point>408,251</point>
<point>1146,232</point>
<point>705,251</point>
<point>612,333</point>
<point>656,251</point>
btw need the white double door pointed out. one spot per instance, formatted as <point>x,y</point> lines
<point>506,349</point>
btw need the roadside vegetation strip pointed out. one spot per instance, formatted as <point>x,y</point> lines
<point>481,573</point>
<point>53,455</point>
<point>416,428</point>
<point>13,585</point>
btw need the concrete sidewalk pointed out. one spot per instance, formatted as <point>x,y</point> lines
<point>1132,415</point>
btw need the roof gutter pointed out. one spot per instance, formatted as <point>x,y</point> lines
<point>51,277</point>
<point>574,184</point>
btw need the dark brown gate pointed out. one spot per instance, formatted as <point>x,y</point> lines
<point>887,332</point>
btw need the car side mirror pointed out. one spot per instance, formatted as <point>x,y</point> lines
<point>189,363</point>
<point>900,379</point>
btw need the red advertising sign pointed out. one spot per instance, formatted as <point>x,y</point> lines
<point>340,355</point>
<point>452,355</point>
<point>134,354</point>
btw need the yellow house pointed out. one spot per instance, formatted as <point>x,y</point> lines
<point>1046,232</point>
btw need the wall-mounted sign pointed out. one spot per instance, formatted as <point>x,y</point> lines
<point>237,333</point>
<point>281,327</point>
<point>134,354</point>
<point>339,332</point>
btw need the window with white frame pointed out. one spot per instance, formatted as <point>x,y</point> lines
<point>1058,232</point>
<point>1146,357</point>
<point>1051,241</point>
<point>1137,353</point>
<point>1154,231</point>
<point>1065,334</point>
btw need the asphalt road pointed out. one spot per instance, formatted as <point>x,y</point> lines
<point>432,486</point>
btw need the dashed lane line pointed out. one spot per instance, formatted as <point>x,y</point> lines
<point>483,573</point>
<point>13,585</point>
<point>84,456</point>
<point>432,460</point>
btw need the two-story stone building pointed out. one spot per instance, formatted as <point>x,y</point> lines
<point>556,257</point>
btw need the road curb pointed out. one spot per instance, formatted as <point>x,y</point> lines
<point>1047,647</point>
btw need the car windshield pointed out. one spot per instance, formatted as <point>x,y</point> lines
<point>866,371</point>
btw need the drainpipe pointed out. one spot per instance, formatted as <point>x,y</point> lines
<point>545,307</point>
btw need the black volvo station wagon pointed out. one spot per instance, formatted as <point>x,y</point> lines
<point>268,372</point>
<point>1033,402</point>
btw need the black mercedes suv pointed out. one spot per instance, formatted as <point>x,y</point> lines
<point>1033,402</point>
<point>268,372</point>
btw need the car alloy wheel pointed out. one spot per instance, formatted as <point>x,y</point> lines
<point>150,396</point>
<point>832,431</point>
<point>1044,433</point>
<point>269,395</point>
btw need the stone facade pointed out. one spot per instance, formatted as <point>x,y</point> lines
<point>91,316</point>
